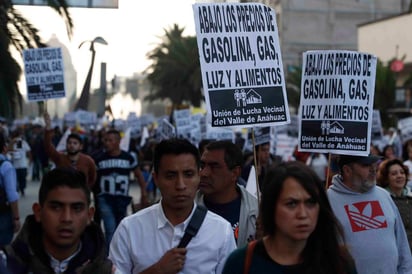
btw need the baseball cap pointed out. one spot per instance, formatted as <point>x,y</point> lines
<point>364,160</point>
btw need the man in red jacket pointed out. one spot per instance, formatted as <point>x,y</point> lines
<point>73,157</point>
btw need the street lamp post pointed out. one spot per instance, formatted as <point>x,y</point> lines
<point>83,102</point>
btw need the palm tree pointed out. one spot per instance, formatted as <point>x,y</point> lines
<point>16,31</point>
<point>175,70</point>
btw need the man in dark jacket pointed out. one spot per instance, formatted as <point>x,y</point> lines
<point>60,237</point>
<point>219,191</point>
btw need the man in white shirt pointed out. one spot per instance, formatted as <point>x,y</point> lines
<point>147,241</point>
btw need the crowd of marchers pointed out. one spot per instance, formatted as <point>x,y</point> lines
<point>196,212</point>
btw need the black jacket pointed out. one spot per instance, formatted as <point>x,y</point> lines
<point>27,255</point>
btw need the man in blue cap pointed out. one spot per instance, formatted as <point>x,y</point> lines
<point>373,228</point>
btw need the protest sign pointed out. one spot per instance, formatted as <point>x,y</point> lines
<point>86,118</point>
<point>182,122</point>
<point>61,146</point>
<point>44,72</point>
<point>257,136</point>
<point>203,127</point>
<point>69,119</point>
<point>135,125</point>
<point>377,132</point>
<point>80,118</point>
<point>251,185</point>
<point>216,133</point>
<point>147,119</point>
<point>196,130</point>
<point>285,146</point>
<point>241,64</point>
<point>336,102</point>
<point>405,128</point>
<point>125,140</point>
<point>166,130</point>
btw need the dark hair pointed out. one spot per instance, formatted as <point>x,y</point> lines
<point>262,145</point>
<point>114,132</point>
<point>257,147</point>
<point>16,133</point>
<point>63,176</point>
<point>386,148</point>
<point>233,154</point>
<point>75,136</point>
<point>2,141</point>
<point>175,146</point>
<point>202,145</point>
<point>322,253</point>
<point>382,177</point>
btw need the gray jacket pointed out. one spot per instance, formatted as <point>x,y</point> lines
<point>249,210</point>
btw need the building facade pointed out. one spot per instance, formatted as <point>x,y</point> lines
<point>326,24</point>
<point>389,39</point>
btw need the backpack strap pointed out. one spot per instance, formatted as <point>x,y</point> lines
<point>249,254</point>
<point>194,225</point>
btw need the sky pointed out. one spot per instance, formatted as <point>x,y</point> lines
<point>131,31</point>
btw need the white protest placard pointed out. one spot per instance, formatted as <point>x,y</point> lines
<point>61,146</point>
<point>44,72</point>
<point>195,132</point>
<point>119,124</point>
<point>195,137</point>
<point>251,185</point>
<point>166,130</point>
<point>135,125</point>
<point>405,127</point>
<point>145,136</point>
<point>336,102</point>
<point>377,131</point>
<point>196,119</point>
<point>69,119</point>
<point>147,119</point>
<point>291,129</point>
<point>262,135</point>
<point>182,122</point>
<point>241,64</point>
<point>216,133</point>
<point>125,141</point>
<point>285,146</point>
<point>203,127</point>
<point>86,118</point>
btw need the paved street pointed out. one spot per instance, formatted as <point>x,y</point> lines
<point>26,202</point>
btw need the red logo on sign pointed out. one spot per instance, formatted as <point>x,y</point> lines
<point>366,216</point>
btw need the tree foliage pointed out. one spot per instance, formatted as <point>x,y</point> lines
<point>16,31</point>
<point>293,85</point>
<point>175,70</point>
<point>385,86</point>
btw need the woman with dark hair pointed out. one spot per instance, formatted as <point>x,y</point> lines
<point>388,152</point>
<point>393,176</point>
<point>302,235</point>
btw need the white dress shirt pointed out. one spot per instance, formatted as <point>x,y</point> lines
<point>18,155</point>
<point>143,238</point>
